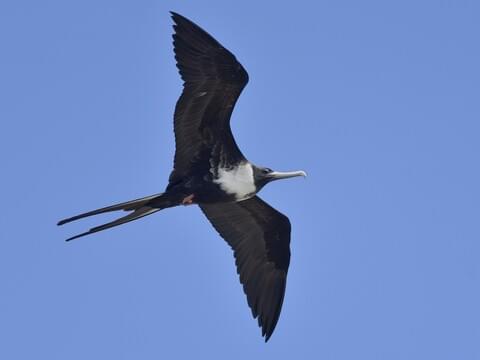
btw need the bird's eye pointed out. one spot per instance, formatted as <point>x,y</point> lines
<point>267,170</point>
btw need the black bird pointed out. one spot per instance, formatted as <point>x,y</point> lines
<point>210,170</point>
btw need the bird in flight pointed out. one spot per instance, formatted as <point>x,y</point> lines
<point>210,171</point>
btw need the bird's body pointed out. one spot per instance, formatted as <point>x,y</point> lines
<point>218,184</point>
<point>210,170</point>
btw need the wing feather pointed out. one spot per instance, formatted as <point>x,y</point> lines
<point>260,238</point>
<point>213,80</point>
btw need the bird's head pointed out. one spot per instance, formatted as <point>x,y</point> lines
<point>263,175</point>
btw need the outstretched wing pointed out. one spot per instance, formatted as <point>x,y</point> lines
<point>213,80</point>
<point>260,238</point>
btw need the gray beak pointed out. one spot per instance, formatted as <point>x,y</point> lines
<point>277,175</point>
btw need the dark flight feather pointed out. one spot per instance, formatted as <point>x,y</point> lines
<point>213,81</point>
<point>260,238</point>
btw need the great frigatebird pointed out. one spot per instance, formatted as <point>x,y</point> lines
<point>209,170</point>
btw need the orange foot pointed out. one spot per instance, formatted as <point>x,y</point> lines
<point>188,200</point>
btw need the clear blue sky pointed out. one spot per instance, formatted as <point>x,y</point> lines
<point>378,101</point>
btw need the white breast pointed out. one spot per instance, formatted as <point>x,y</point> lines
<point>237,181</point>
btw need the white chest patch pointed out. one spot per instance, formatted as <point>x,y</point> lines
<point>238,181</point>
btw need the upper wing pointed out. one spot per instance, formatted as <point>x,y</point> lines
<point>260,238</point>
<point>213,81</point>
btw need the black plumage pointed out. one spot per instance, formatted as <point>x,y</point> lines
<point>260,238</point>
<point>213,80</point>
<point>211,171</point>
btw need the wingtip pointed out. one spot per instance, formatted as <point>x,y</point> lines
<point>183,22</point>
<point>176,16</point>
<point>177,20</point>
<point>267,335</point>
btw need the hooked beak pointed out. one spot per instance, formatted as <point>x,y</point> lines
<point>277,175</point>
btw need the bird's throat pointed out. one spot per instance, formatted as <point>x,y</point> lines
<point>237,181</point>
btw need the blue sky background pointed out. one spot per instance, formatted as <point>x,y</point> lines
<point>378,101</point>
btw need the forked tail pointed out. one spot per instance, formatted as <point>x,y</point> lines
<point>139,207</point>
